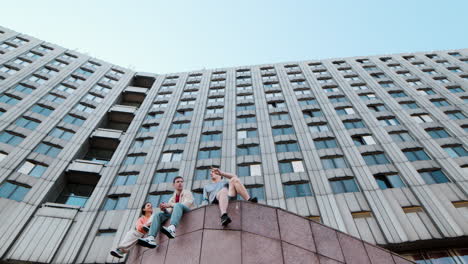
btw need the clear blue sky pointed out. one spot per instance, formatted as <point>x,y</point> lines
<point>175,36</point>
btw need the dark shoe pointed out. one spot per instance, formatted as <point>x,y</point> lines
<point>225,220</point>
<point>168,232</point>
<point>117,253</point>
<point>147,242</point>
<point>146,228</point>
<point>253,199</point>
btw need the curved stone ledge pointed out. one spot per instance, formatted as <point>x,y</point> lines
<point>259,234</point>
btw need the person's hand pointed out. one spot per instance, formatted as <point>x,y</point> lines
<point>216,171</point>
<point>162,206</point>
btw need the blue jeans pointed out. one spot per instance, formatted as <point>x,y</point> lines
<point>177,212</point>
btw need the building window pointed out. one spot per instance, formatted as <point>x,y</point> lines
<point>409,105</point>
<point>308,102</point>
<point>249,170</point>
<point>297,190</point>
<point>84,108</point>
<point>422,118</point>
<point>11,138</point>
<point>279,117</point>
<point>48,149</point>
<point>245,107</point>
<point>455,89</point>
<point>291,166</point>
<point>426,91</point>
<point>27,123</point>
<point>171,156</point>
<point>351,124</point>
<point>246,119</point>
<point>214,111</point>
<point>338,99</point>
<point>165,176</point>
<point>93,98</point>
<point>42,110</point>
<point>246,133</point>
<point>32,168</point>
<point>287,147</point>
<point>318,127</point>
<point>434,177</point>
<point>312,113</point>
<point>184,125</point>
<point>456,115</point>
<point>248,150</point>
<point>7,99</point>
<point>177,139</point>
<point>70,119</point>
<point>392,121</point>
<point>325,143</point>
<point>362,140</point>
<point>116,202</point>
<point>398,94</point>
<point>344,185</point>
<point>23,89</point>
<point>333,162</point>
<point>368,96</point>
<point>142,142</point>
<point>440,103</point>
<point>415,155</point>
<point>62,133</point>
<point>148,128</point>
<point>274,105</point>
<point>401,136</point>
<point>209,154</point>
<point>126,179</point>
<point>387,181</point>
<point>377,108</point>
<point>211,137</point>
<point>54,98</point>
<point>345,111</point>
<point>375,159</point>
<point>456,151</point>
<point>13,190</point>
<point>64,88</point>
<point>101,88</point>
<point>213,123</point>
<point>282,131</point>
<point>135,159</point>
<point>438,133</point>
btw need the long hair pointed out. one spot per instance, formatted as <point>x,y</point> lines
<point>143,208</point>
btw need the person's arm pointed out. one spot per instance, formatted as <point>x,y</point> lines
<point>139,225</point>
<point>227,175</point>
<point>205,197</point>
<point>188,197</point>
<point>170,204</point>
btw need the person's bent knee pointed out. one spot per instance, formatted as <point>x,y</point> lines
<point>178,205</point>
<point>160,214</point>
<point>234,180</point>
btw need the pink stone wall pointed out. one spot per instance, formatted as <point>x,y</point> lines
<point>259,234</point>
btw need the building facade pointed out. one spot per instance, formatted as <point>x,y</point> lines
<point>373,146</point>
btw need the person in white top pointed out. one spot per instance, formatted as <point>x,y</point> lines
<point>181,202</point>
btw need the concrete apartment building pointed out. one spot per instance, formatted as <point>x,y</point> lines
<point>374,146</point>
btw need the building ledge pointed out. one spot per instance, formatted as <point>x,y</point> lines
<point>259,234</point>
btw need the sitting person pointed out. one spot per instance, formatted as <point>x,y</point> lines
<point>132,236</point>
<point>180,202</point>
<point>219,191</point>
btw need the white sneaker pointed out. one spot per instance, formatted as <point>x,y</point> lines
<point>147,242</point>
<point>117,253</point>
<point>169,232</point>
